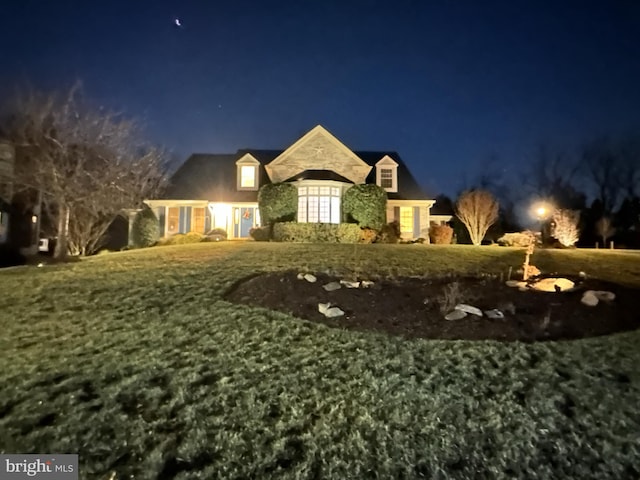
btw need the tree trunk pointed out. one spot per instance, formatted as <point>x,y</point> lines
<point>62,245</point>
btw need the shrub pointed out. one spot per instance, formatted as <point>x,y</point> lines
<point>215,235</point>
<point>366,205</point>
<point>145,229</point>
<point>182,239</point>
<point>441,234</point>
<point>260,234</point>
<point>565,227</point>
<point>368,235</point>
<point>389,233</point>
<point>519,239</point>
<point>316,232</point>
<point>278,202</point>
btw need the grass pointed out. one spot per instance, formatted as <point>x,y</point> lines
<point>134,361</point>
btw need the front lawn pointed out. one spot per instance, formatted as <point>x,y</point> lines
<point>134,361</point>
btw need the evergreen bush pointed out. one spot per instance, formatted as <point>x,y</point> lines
<point>145,230</point>
<point>366,205</point>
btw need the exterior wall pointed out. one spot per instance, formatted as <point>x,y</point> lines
<point>318,150</point>
<point>421,215</point>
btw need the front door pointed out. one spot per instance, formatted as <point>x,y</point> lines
<point>244,220</point>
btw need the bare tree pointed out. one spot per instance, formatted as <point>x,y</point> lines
<point>552,175</point>
<point>565,227</point>
<point>605,228</point>
<point>603,169</point>
<point>86,164</point>
<point>478,210</point>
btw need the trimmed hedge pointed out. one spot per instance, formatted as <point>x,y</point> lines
<point>260,234</point>
<point>518,239</point>
<point>316,232</point>
<point>215,235</point>
<point>182,239</point>
<point>441,234</point>
<point>278,202</point>
<point>145,230</point>
<point>366,205</point>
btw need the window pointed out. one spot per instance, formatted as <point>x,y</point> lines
<point>197,222</point>
<point>386,178</point>
<point>173,220</point>
<point>319,204</point>
<point>406,220</point>
<point>387,174</point>
<point>247,176</point>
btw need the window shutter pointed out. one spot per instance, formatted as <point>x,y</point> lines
<point>162,220</point>
<point>396,214</point>
<point>416,222</point>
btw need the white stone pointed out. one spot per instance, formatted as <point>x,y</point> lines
<point>589,298</point>
<point>553,284</point>
<point>455,315</point>
<point>331,286</point>
<point>328,311</point>
<point>350,284</point>
<point>301,276</point>
<point>333,312</point>
<point>515,283</point>
<point>366,283</point>
<point>604,296</point>
<point>310,278</point>
<point>494,314</point>
<point>469,309</point>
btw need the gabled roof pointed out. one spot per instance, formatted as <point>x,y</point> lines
<point>213,177</point>
<point>408,188</point>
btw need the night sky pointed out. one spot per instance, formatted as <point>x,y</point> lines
<point>447,84</point>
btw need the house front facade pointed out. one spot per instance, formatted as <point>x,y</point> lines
<point>221,190</point>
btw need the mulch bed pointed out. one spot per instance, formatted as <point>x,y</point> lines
<point>411,307</point>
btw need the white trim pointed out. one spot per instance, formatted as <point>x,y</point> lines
<point>387,163</point>
<point>247,160</point>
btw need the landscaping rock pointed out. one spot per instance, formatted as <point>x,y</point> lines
<point>331,286</point>
<point>469,309</point>
<point>301,276</point>
<point>589,299</point>
<point>494,314</point>
<point>604,296</point>
<point>455,315</point>
<point>515,283</point>
<point>366,283</point>
<point>553,285</point>
<point>328,311</point>
<point>310,278</point>
<point>350,284</point>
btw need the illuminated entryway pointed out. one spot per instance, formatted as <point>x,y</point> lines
<point>244,219</point>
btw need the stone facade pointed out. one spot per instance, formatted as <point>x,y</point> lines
<point>318,150</point>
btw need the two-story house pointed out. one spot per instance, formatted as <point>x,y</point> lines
<point>221,190</point>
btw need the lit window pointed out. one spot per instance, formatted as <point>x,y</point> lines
<point>198,220</point>
<point>386,178</point>
<point>406,220</point>
<point>247,176</point>
<point>173,220</point>
<point>319,205</point>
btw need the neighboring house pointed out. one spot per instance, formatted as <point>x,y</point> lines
<point>7,160</point>
<point>221,191</point>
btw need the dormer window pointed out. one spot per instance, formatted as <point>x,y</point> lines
<point>387,174</point>
<point>247,173</point>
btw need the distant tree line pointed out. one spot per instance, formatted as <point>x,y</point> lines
<point>607,170</point>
